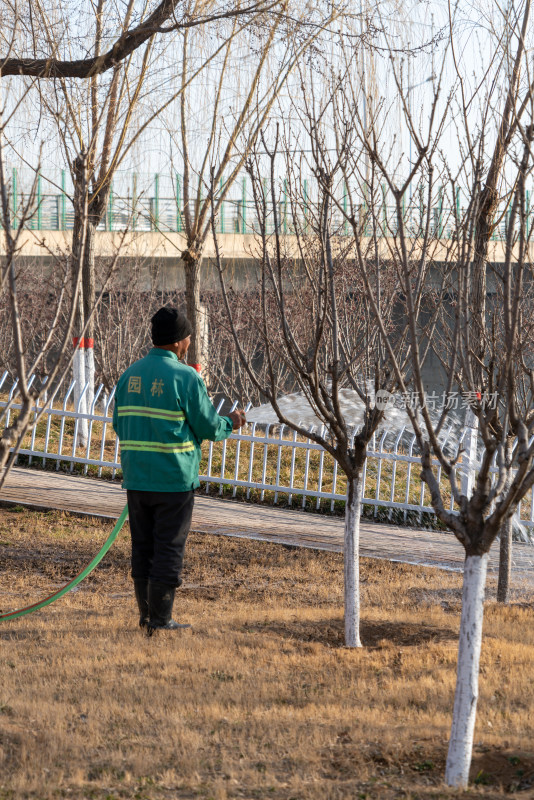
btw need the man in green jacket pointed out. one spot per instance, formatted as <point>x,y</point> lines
<point>162,414</point>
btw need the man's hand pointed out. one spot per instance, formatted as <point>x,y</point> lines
<point>238,418</point>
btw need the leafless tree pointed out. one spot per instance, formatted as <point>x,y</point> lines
<point>214,145</point>
<point>95,101</point>
<point>486,346</point>
<point>310,308</point>
<point>315,329</point>
<point>482,298</point>
<point>167,17</point>
<point>40,343</point>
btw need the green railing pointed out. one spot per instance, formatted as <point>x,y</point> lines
<point>141,202</point>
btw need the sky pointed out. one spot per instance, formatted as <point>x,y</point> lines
<point>409,40</point>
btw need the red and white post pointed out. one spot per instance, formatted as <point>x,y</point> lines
<point>83,370</point>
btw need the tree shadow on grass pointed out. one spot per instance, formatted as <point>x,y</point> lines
<point>377,635</point>
<point>513,771</point>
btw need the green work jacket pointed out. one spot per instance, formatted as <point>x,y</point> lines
<point>162,413</point>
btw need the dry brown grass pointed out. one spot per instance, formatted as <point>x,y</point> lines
<point>260,699</point>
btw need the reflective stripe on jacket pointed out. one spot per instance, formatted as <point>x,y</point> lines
<point>162,414</point>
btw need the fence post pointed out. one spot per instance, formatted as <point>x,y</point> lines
<point>110,208</point>
<point>384,212</point>
<point>63,222</point>
<point>178,203</point>
<point>134,200</point>
<point>39,202</point>
<point>244,206</point>
<point>421,211</point>
<point>440,212</point>
<point>155,214</point>
<point>365,206</point>
<point>221,212</point>
<point>284,215</point>
<point>14,199</point>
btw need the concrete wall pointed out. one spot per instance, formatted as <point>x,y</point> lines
<point>158,256</point>
<point>165,246</point>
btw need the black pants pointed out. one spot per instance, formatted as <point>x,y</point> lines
<point>159,524</point>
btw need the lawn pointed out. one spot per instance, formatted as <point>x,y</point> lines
<point>260,699</point>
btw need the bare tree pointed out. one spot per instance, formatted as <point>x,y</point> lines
<point>168,16</point>
<point>516,25</point>
<point>481,294</point>
<point>314,326</point>
<point>505,466</point>
<point>32,349</point>
<point>487,351</point>
<point>214,144</point>
<point>98,118</point>
<point>311,311</point>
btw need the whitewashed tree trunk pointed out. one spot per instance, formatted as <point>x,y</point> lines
<point>89,374</point>
<point>80,404</point>
<point>78,373</point>
<point>89,293</point>
<point>466,695</point>
<point>352,562</point>
<point>78,363</point>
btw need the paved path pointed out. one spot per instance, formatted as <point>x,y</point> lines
<point>38,489</point>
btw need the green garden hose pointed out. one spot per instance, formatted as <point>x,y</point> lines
<point>78,579</point>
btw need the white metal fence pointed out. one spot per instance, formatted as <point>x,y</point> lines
<point>266,463</point>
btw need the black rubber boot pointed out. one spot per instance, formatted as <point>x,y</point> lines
<point>141,595</point>
<point>160,602</point>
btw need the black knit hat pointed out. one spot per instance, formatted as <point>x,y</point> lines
<point>169,325</point>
